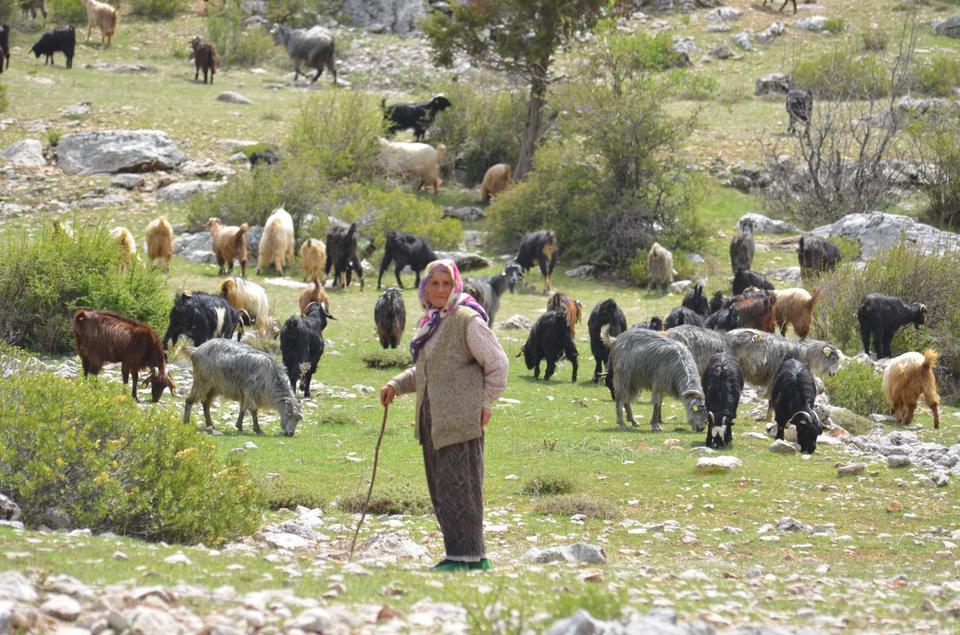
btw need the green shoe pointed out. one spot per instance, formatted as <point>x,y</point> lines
<point>480,565</point>
<point>451,565</point>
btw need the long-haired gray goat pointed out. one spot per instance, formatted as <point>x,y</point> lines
<point>487,291</point>
<point>702,342</point>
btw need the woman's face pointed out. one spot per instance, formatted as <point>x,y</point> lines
<point>439,287</point>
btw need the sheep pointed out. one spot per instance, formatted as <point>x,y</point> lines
<point>549,339</point>
<point>742,246</point>
<point>313,46</point>
<point>313,258</point>
<point>314,293</point>
<point>722,383</point>
<point>696,301</point>
<point>562,302</point>
<point>605,313</point>
<point>4,45</point>
<point>702,343</point>
<point>250,297</point>
<point>682,315</point>
<point>881,316</point>
<point>792,398</point>
<point>390,316</point>
<point>201,316</point>
<point>497,178</point>
<point>126,244</point>
<point>757,310</point>
<point>241,373</point>
<point>301,345</point>
<point>417,160</point>
<point>105,336</point>
<point>229,243</point>
<point>724,319</point>
<point>104,16</point>
<point>63,40</point>
<point>159,237</point>
<point>415,116</point>
<point>405,250</point>
<point>906,378</point>
<point>487,291</point>
<point>276,243</point>
<point>795,307</point>
<point>647,359</point>
<point>342,256</point>
<point>785,2</point>
<point>744,279</point>
<point>204,58</point>
<point>799,106</point>
<point>659,267</point>
<point>539,248</point>
<point>817,255</point>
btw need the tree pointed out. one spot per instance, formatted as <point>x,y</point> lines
<point>520,37</point>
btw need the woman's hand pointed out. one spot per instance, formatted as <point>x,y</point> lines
<point>387,393</point>
<point>485,419</point>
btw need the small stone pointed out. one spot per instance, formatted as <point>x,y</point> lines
<point>127,181</point>
<point>231,97</point>
<point>791,524</point>
<point>894,507</point>
<point>62,607</point>
<point>579,552</point>
<point>722,463</point>
<point>899,460</point>
<point>780,446</point>
<point>851,469</point>
<point>178,558</point>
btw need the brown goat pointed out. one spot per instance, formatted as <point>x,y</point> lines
<point>159,236</point>
<point>204,59</point>
<point>229,242</point>
<point>795,307</point>
<point>126,244</point>
<point>497,179</point>
<point>757,310</point>
<point>313,258</point>
<point>104,16</point>
<point>105,336</point>
<point>314,293</point>
<point>562,302</point>
<point>906,378</point>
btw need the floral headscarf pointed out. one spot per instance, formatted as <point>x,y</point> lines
<point>428,324</point>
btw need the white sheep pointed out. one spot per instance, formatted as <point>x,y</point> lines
<point>413,160</point>
<point>250,297</point>
<point>276,243</point>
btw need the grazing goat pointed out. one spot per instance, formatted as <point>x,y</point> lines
<point>647,359</point>
<point>413,160</point>
<point>314,293</point>
<point>301,345</point>
<point>390,316</point>
<point>702,343</point>
<point>722,383</point>
<point>817,255</point>
<point>314,46</point>
<point>32,7</point>
<point>276,243</point>
<point>785,2</point>
<point>682,315</point>
<point>742,246</point>
<point>159,237</point>
<point>608,314</point>
<point>105,336</point>
<point>4,45</point>
<point>792,398</point>
<point>104,16</point>
<point>405,250</point>
<point>696,301</point>
<point>659,267</point>
<point>201,316</point>
<point>266,157</point>
<point>126,245</point>
<point>757,310</point>
<point>204,58</point>
<point>539,248</point>
<point>726,319</point>
<point>250,297</point>
<point>313,258</point>
<point>63,40</point>
<point>744,279</point>
<point>342,254</point>
<point>562,302</point>
<point>487,291</point>
<point>241,373</point>
<point>415,116</point>
<point>795,307</point>
<point>497,178</point>
<point>655,324</point>
<point>800,108</point>
<point>905,379</point>
<point>881,316</point>
<point>229,243</point>
<point>717,302</point>
<point>550,340</point>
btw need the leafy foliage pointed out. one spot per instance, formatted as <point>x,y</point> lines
<point>66,12</point>
<point>939,76</point>
<point>934,140</point>
<point>843,74</point>
<point>157,9</point>
<point>857,388</point>
<point>236,45</point>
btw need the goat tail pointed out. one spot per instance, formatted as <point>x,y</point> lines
<point>814,297</point>
<point>441,151</point>
<point>929,359</point>
<point>605,336</point>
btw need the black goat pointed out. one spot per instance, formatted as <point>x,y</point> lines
<point>655,324</point>
<point>785,2</point>
<point>301,345</point>
<point>4,45</point>
<point>342,254</point>
<point>201,316</point>
<point>266,157</point>
<point>725,319</point>
<point>683,315</point>
<point>696,301</point>
<point>539,248</point>
<point>743,279</point>
<point>204,58</point>
<point>742,247</point>
<point>550,340</point>
<point>415,116</point>
<point>722,383</point>
<point>882,316</point>
<point>405,250</point>
<point>792,396</point>
<point>605,313</point>
<point>800,108</point>
<point>717,302</point>
<point>817,255</point>
<point>31,7</point>
<point>63,40</point>
<point>390,316</point>
<point>487,291</point>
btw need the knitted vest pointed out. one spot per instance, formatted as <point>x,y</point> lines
<point>454,381</point>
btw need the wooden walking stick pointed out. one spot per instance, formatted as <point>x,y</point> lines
<point>373,477</point>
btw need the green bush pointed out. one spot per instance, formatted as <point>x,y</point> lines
<point>82,447</point>
<point>857,388</point>
<point>547,486</point>
<point>934,137</point>
<point>6,10</point>
<point>157,9</point>
<point>44,278</point>
<point>237,46</point>
<point>939,76</point>
<point>841,74</point>
<point>570,504</point>
<point>875,41</point>
<point>390,500</point>
<point>66,12</point>
<point>835,26</point>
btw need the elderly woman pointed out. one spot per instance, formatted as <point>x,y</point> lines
<point>459,371</point>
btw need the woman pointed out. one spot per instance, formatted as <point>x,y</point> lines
<point>459,371</point>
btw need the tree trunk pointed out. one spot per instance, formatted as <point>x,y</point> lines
<point>531,135</point>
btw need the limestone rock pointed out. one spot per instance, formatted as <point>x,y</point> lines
<point>772,83</point>
<point>879,231</point>
<point>78,110</point>
<point>949,27</point>
<point>465,261</point>
<point>13,586</point>
<point>62,607</point>
<point>851,469</point>
<point>516,322</point>
<point>722,463</point>
<point>775,30</point>
<point>231,97</point>
<point>783,447</point>
<point>399,16</point>
<point>579,552</point>
<point>111,151</point>
<point>814,23</point>
<point>27,153</point>
<point>9,510</point>
<point>582,272</point>
<point>723,14</point>
<point>899,460</point>
<point>145,620</point>
<point>742,39</point>
<point>464,213</point>
<point>127,181</point>
<point>765,225</point>
<point>185,190</point>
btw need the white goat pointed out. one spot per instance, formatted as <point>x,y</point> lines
<point>413,160</point>
<point>276,243</point>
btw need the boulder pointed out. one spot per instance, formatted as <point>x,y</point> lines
<point>9,510</point>
<point>765,225</point>
<point>466,261</point>
<point>464,213</point>
<point>742,39</point>
<point>231,97</point>
<point>773,31</point>
<point>13,586</point>
<point>721,52</point>
<point>195,247</point>
<point>27,154</point>
<point>62,607</point>
<point>814,23</point>
<point>582,272</point>
<point>949,27</point>
<point>772,83</point>
<point>789,275</point>
<point>399,16</point>
<point>127,181</point>
<point>111,151</point>
<point>185,190</point>
<point>723,463</point>
<point>516,322</point>
<point>145,620</point>
<point>684,45</point>
<point>579,552</point>
<point>879,231</point>
<point>723,14</point>
<point>851,469</point>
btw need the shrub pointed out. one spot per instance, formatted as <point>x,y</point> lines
<point>939,76</point>
<point>67,12</point>
<point>85,449</point>
<point>157,9</point>
<point>841,74</point>
<point>547,486</point>
<point>388,359</point>
<point>935,141</point>
<point>874,40</point>
<point>6,10</point>
<point>391,500</point>
<point>237,46</point>
<point>858,388</point>
<point>278,494</point>
<point>44,278</point>
<point>570,504</point>
<point>835,26</point>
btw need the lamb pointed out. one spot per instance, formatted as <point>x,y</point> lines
<point>647,359</point>
<point>405,250</point>
<point>792,398</point>
<point>201,316</point>
<point>608,314</point>
<point>413,160</point>
<point>800,108</point>
<point>276,243</point>
<point>696,301</point>
<point>5,45</point>
<point>104,16</point>
<point>725,319</point>
<point>487,291</point>
<point>390,316</point>
<point>742,246</point>
<point>314,293</point>
<point>722,383</point>
<point>744,279</point>
<point>659,267</point>
<point>539,248</point>
<point>313,258</point>
<point>241,373</point>
<point>315,47</point>
<point>906,378</point>
<point>159,237</point>
<point>301,345</point>
<point>795,307</point>
<point>62,40</point>
<point>702,343</point>
<point>497,178</point>
<point>881,316</point>
<point>229,243</point>
<point>550,340</point>
<point>817,255</point>
<point>682,315</point>
<point>415,116</point>
<point>757,310</point>
<point>250,297</point>
<point>204,58</point>
<point>126,244</point>
<point>342,254</point>
<point>562,302</point>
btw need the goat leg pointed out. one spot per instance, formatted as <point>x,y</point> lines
<point>619,409</point>
<point>134,387</point>
<point>256,424</point>
<point>206,414</point>
<point>656,417</point>
<point>240,419</point>
<point>551,369</point>
<point>187,407</point>
<point>633,421</point>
